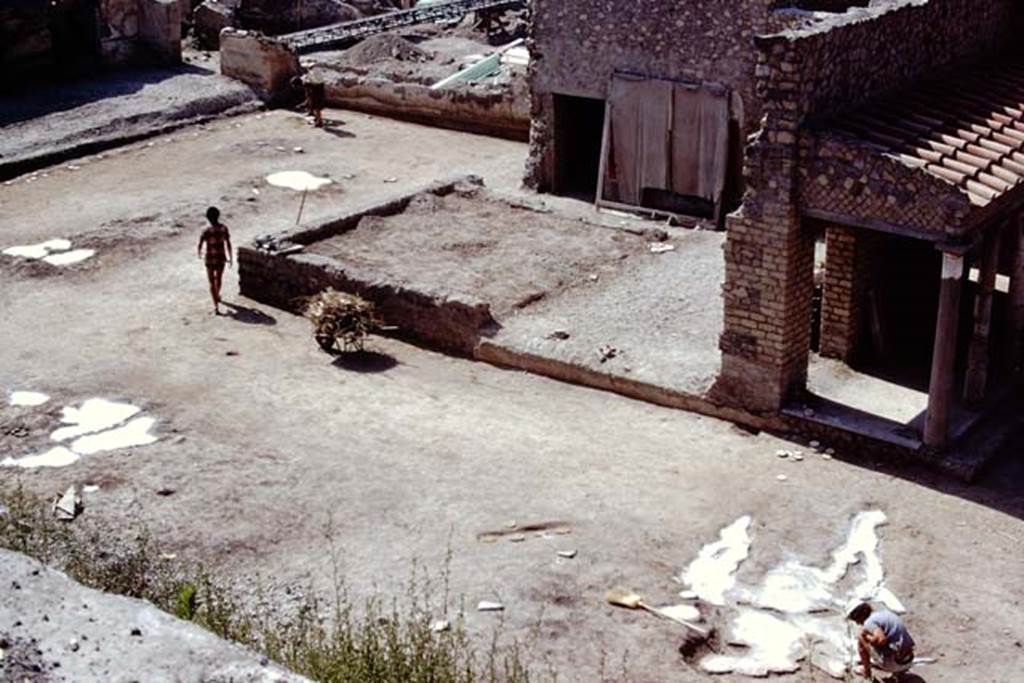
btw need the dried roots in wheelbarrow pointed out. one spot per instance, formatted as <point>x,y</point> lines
<point>341,321</point>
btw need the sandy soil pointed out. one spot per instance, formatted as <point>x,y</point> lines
<point>483,248</point>
<point>269,447</point>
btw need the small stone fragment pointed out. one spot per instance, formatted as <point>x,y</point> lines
<point>782,453</point>
<point>782,477</point>
<point>567,554</point>
<point>488,606</point>
<point>815,444</point>
<point>440,626</point>
<point>518,538</point>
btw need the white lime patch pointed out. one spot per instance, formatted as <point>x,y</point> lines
<point>300,181</point>
<point>134,433</point>
<point>58,456</point>
<point>94,415</point>
<point>713,573</point>
<point>69,257</point>
<point>56,252</point>
<point>28,399</point>
<point>95,426</point>
<point>796,611</point>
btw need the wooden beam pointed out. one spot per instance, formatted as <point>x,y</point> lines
<point>976,380</point>
<point>1015,303</point>
<point>943,379</point>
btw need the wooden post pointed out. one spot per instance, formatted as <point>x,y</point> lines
<point>1015,299</point>
<point>977,355</point>
<point>943,380</point>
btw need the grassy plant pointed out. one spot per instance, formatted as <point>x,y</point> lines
<point>326,640</point>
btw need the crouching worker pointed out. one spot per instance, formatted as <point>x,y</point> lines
<point>883,641</point>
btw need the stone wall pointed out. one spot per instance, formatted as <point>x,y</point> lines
<point>576,46</point>
<point>35,36</point>
<point>264,64</point>
<point>804,75</point>
<point>850,178</point>
<point>160,30</point>
<point>25,39</point>
<point>276,271</point>
<point>502,111</point>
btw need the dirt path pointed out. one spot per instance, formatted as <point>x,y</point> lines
<point>264,441</point>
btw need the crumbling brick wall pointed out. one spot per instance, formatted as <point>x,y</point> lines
<point>803,75</point>
<point>576,46</point>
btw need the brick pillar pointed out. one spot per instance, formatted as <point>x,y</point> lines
<point>540,165</point>
<point>769,258</point>
<point>769,284</point>
<point>847,274</point>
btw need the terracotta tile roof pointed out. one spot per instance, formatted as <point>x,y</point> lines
<point>967,128</point>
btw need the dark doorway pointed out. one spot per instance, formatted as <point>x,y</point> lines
<point>579,129</point>
<point>73,30</point>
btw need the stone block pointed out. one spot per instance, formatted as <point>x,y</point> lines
<point>264,64</point>
<point>160,30</point>
<point>212,17</point>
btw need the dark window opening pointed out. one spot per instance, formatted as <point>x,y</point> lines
<point>579,130</point>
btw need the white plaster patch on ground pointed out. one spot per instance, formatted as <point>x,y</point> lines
<point>300,181</point>
<point>712,574</point>
<point>97,425</point>
<point>94,415</point>
<point>69,257</point>
<point>58,456</point>
<point>38,251</point>
<point>29,399</point>
<point>135,433</point>
<point>684,612</point>
<point>796,598</point>
<point>795,587</point>
<point>771,645</point>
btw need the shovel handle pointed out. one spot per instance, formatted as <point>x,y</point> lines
<point>657,612</point>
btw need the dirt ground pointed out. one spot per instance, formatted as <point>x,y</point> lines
<point>268,446</point>
<point>482,248</point>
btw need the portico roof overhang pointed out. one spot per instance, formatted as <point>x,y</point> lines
<point>941,161</point>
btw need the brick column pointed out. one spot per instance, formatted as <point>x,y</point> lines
<point>847,272</point>
<point>769,284</point>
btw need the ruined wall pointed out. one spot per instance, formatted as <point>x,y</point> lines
<point>74,36</point>
<point>264,64</point>
<point>803,75</point>
<point>576,46</point>
<point>25,39</point>
<point>475,108</point>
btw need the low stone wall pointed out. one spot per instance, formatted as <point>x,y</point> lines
<point>264,64</point>
<point>501,112</point>
<point>275,271</point>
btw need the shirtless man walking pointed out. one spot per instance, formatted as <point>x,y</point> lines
<point>217,241</point>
